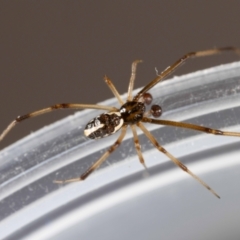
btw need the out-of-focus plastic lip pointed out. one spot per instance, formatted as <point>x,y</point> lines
<point>122,200</point>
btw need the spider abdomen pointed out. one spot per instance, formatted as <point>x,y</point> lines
<point>103,125</point>
<point>132,112</point>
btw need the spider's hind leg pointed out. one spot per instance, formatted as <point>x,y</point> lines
<point>50,109</point>
<point>99,161</point>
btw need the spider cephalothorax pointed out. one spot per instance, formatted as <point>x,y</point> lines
<point>132,112</point>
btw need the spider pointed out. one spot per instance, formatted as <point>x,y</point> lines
<point>132,113</point>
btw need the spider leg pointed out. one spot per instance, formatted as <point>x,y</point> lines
<point>190,126</point>
<point>179,62</point>
<point>172,158</point>
<point>132,79</point>
<point>113,89</point>
<point>50,109</point>
<point>99,161</point>
<point>138,146</point>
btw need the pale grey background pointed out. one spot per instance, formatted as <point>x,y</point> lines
<point>59,51</point>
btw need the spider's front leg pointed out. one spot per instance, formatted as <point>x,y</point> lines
<point>169,70</point>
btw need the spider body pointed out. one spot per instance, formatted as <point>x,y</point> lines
<point>132,113</point>
<point>129,113</point>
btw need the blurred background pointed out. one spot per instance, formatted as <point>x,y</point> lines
<point>58,51</point>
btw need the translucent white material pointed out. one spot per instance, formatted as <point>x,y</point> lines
<point>121,200</point>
